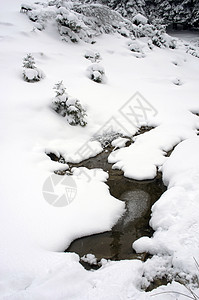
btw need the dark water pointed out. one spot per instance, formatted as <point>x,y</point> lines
<point>139,196</point>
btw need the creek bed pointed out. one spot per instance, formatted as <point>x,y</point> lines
<point>139,196</point>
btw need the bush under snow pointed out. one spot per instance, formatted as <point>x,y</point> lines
<point>92,56</point>
<point>193,51</point>
<point>96,73</point>
<point>177,81</point>
<point>68,107</point>
<point>77,20</point>
<point>106,138</point>
<point>139,19</point>
<point>30,72</point>
<point>136,48</point>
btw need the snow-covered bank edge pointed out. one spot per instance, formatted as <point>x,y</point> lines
<point>175,243</point>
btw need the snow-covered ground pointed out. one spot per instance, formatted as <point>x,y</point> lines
<point>34,233</point>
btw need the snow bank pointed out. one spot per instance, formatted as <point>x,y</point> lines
<point>174,216</point>
<point>146,155</point>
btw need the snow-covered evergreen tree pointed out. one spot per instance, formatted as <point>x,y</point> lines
<point>96,73</point>
<point>29,61</point>
<point>71,27</point>
<point>60,89</point>
<point>30,72</point>
<point>195,14</point>
<point>184,12</point>
<point>77,21</point>
<point>92,56</point>
<point>85,19</point>
<point>68,107</point>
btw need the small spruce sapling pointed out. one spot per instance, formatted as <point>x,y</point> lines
<point>96,73</point>
<point>68,107</point>
<point>30,72</point>
<point>29,61</point>
<point>92,56</point>
<point>177,81</point>
<point>60,89</point>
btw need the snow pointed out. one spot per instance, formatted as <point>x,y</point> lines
<point>140,19</point>
<point>33,74</point>
<point>89,258</point>
<point>30,73</point>
<point>34,233</point>
<point>142,159</point>
<point>119,142</point>
<point>174,216</point>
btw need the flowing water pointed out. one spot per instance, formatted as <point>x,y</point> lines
<point>139,196</point>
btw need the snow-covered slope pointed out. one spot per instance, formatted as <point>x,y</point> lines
<point>32,231</point>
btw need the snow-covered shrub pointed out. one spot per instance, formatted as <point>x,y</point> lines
<point>68,107</point>
<point>71,27</point>
<point>102,19</point>
<point>148,30</point>
<point>30,72</point>
<point>39,13</point>
<point>96,73</point>
<point>139,19</point>
<point>158,40</point>
<point>176,63</point>
<point>150,44</point>
<point>92,56</point>
<point>29,61</point>
<point>25,8</point>
<point>124,31</point>
<point>184,12</point>
<point>172,43</point>
<point>32,75</point>
<point>163,40</point>
<point>177,81</point>
<point>106,138</point>
<point>60,91</point>
<point>127,8</point>
<point>135,46</point>
<point>193,51</point>
<point>145,30</point>
<point>84,20</point>
<point>179,61</point>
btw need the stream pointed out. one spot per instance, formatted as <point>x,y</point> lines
<point>139,196</point>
